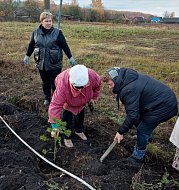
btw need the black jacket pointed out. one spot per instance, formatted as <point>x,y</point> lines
<point>47,46</point>
<point>145,99</point>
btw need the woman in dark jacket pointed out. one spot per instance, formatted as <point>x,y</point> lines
<point>47,44</point>
<point>147,101</point>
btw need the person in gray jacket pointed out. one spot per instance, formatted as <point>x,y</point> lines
<point>47,44</point>
<point>147,101</point>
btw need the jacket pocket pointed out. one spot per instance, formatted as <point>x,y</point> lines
<point>55,56</point>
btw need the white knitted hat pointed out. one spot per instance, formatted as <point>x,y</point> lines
<point>79,75</point>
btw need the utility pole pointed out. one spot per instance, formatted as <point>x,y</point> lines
<point>60,14</point>
<point>46,5</point>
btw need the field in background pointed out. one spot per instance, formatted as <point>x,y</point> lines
<point>151,49</point>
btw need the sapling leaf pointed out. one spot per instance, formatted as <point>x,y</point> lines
<point>49,129</point>
<point>67,132</point>
<point>43,138</point>
<point>44,151</point>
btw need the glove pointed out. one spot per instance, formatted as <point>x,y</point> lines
<point>55,131</point>
<point>54,126</point>
<point>26,60</point>
<point>72,61</point>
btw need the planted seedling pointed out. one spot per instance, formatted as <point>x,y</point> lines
<point>61,131</point>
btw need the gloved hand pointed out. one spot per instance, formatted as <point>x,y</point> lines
<point>54,126</point>
<point>26,59</point>
<point>72,61</point>
<point>55,130</point>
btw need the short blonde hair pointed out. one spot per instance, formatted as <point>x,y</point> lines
<point>45,15</point>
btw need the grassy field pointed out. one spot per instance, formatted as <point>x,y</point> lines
<point>151,49</point>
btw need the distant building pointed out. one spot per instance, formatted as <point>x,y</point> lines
<point>170,20</point>
<point>155,19</point>
<point>139,19</point>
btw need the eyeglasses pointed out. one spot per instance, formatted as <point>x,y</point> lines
<point>79,87</point>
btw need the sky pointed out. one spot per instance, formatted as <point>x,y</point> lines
<point>155,7</point>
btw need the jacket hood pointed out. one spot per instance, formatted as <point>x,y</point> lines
<point>125,76</point>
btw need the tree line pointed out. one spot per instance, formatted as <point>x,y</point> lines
<point>32,9</point>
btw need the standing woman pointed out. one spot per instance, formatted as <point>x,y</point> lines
<point>47,44</point>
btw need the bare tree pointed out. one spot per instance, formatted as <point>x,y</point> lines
<point>168,14</point>
<point>7,8</point>
<point>74,2</point>
<point>172,14</point>
<point>97,4</point>
<point>32,8</point>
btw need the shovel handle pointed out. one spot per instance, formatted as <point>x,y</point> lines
<point>108,151</point>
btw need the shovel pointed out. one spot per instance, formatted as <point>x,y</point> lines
<point>108,150</point>
<point>96,167</point>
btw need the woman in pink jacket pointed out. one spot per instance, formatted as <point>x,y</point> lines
<point>75,87</point>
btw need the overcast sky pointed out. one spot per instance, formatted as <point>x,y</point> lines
<point>156,7</point>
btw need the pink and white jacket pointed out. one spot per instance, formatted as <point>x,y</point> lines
<point>68,98</point>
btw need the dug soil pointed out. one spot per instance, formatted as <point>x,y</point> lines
<point>21,107</point>
<point>21,169</point>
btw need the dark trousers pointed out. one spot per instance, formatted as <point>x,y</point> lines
<point>144,132</point>
<point>74,122</point>
<point>48,78</point>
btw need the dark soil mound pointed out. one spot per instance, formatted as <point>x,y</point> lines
<point>21,169</point>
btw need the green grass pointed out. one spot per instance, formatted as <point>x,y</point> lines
<point>149,49</point>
